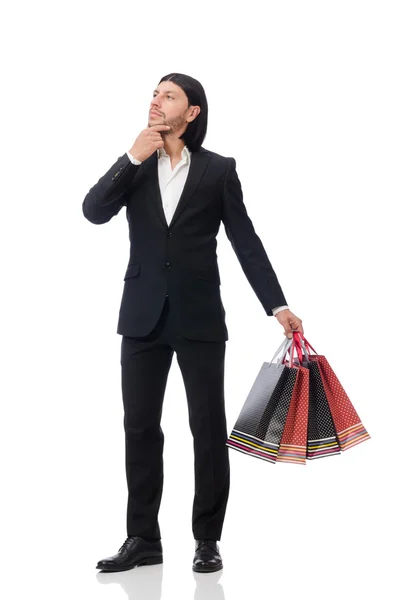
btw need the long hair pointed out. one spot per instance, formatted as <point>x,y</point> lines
<point>196,130</point>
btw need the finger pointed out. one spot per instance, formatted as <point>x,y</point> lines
<point>159,127</point>
<point>154,138</point>
<point>295,322</point>
<point>299,328</point>
<point>151,134</point>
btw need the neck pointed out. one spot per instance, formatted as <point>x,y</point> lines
<point>173,146</point>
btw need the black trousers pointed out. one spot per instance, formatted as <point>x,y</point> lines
<point>145,364</point>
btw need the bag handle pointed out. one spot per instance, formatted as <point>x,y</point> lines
<point>284,347</point>
<point>295,346</point>
<point>281,347</point>
<point>287,348</point>
<point>304,341</point>
<point>300,346</point>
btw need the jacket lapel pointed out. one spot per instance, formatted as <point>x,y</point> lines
<point>199,162</point>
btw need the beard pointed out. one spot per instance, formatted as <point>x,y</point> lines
<point>175,123</point>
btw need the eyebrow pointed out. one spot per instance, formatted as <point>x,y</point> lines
<point>167,92</point>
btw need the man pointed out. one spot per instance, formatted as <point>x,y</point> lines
<point>176,194</point>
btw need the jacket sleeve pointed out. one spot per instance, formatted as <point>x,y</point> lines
<point>107,197</point>
<point>247,244</point>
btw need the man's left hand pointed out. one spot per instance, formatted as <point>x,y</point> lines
<point>289,321</point>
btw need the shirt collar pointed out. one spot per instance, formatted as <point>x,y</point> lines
<point>186,154</point>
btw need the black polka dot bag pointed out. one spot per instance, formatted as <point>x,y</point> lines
<point>260,424</point>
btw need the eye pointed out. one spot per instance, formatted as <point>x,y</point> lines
<point>169,96</point>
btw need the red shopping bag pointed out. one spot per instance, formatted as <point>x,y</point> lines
<point>294,439</point>
<point>350,431</point>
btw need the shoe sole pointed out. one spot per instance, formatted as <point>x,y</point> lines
<point>207,569</point>
<point>143,562</point>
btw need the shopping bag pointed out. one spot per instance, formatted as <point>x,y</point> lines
<point>293,443</point>
<point>349,429</point>
<point>260,424</point>
<point>321,434</point>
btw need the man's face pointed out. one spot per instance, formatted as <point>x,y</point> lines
<point>170,104</point>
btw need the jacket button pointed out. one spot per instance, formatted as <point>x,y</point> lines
<point>168,265</point>
<point>169,234</point>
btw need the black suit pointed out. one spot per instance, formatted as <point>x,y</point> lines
<point>171,302</point>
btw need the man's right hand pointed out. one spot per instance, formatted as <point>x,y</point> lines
<point>148,141</point>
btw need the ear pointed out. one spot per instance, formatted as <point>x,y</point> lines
<point>195,112</point>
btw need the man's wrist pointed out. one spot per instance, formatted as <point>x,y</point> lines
<point>278,309</point>
<point>134,160</point>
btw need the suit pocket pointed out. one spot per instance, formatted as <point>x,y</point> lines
<point>132,270</point>
<point>210,277</point>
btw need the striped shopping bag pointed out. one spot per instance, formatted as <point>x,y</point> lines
<point>260,424</point>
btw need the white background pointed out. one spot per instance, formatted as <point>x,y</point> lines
<point>303,95</point>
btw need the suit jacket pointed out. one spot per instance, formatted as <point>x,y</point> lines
<point>179,260</point>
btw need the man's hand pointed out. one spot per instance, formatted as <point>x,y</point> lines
<point>148,141</point>
<point>289,321</point>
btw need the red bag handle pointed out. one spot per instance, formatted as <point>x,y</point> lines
<point>296,345</point>
<point>304,340</point>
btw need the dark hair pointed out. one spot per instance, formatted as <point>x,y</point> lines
<point>195,132</point>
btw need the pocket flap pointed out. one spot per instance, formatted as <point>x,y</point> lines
<point>132,270</point>
<point>210,275</point>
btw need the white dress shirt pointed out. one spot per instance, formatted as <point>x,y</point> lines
<point>172,182</point>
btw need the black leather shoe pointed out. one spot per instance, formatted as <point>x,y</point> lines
<point>135,552</point>
<point>207,557</point>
